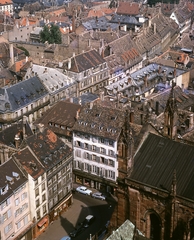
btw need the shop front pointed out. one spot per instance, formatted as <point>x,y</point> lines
<point>61,207</point>
<point>41,226</point>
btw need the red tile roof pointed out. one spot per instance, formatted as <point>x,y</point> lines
<point>5,2</point>
<point>128,8</point>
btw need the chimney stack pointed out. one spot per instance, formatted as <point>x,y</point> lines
<point>191,121</point>
<point>11,53</point>
<point>17,141</point>
<point>24,126</point>
<point>69,63</point>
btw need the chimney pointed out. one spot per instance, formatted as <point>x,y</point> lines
<point>41,127</point>
<point>89,43</point>
<point>154,28</point>
<point>17,141</point>
<point>11,53</point>
<point>183,88</point>
<point>102,96</point>
<point>24,126</point>
<point>146,80</point>
<point>91,105</point>
<point>174,73</point>
<point>69,63</point>
<point>191,121</point>
<point>159,69</point>
<point>132,116</point>
<point>157,108</point>
<point>77,114</point>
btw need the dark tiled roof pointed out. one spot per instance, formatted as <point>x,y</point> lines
<point>21,94</point>
<point>62,114</point>
<point>100,121</point>
<point>156,160</point>
<point>7,136</point>
<point>9,172</point>
<point>86,61</point>
<point>29,162</point>
<point>48,148</point>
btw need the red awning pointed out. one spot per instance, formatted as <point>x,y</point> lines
<point>42,222</point>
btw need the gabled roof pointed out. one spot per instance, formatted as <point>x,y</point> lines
<point>158,158</point>
<point>29,162</point>
<point>100,121</point>
<point>85,61</point>
<point>60,117</point>
<point>7,135</point>
<point>128,8</point>
<point>5,2</point>
<point>11,178</point>
<point>48,148</point>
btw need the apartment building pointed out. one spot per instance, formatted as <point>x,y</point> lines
<point>95,143</point>
<point>14,203</point>
<point>89,70</point>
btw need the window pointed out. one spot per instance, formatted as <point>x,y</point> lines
<point>54,178</point>
<point>37,203</point>
<point>36,182</point>
<point>102,150</point>
<point>111,163</point>
<point>26,220</point>
<point>94,148</point>
<point>43,197</point>
<point>43,177</point>
<point>4,217</point>
<point>8,228</point>
<point>36,192</point>
<point>55,188</point>
<point>43,187</point>
<point>111,152</point>
<point>49,182</point>
<point>111,143</point>
<point>51,203</point>
<point>38,214</point>
<point>19,224</point>
<point>44,209</point>
<point>24,195</point>
<point>102,140</point>
<point>94,157</point>
<point>9,213</point>
<point>78,153</point>
<point>17,201</point>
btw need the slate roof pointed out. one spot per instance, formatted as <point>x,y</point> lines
<point>48,148</point>
<point>9,171</point>
<point>125,19</point>
<point>63,114</point>
<point>156,160</point>
<point>101,23</point>
<point>52,79</point>
<point>85,61</point>
<point>100,121</point>
<point>21,94</point>
<point>7,135</point>
<point>29,163</point>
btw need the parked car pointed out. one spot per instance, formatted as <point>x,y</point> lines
<point>88,220</point>
<point>66,238</point>
<point>99,196</point>
<point>83,190</point>
<point>76,231</point>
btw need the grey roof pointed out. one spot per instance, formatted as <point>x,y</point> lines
<point>124,19</point>
<point>158,158</point>
<point>137,79</point>
<point>11,178</point>
<point>85,98</point>
<point>127,231</point>
<point>37,30</point>
<point>21,94</point>
<point>101,23</point>
<point>53,79</point>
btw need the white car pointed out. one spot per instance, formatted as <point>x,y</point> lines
<point>83,190</point>
<point>99,196</point>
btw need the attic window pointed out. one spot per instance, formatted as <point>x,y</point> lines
<point>4,190</point>
<point>101,128</point>
<point>92,125</point>
<point>40,145</point>
<point>97,114</point>
<point>33,165</point>
<point>16,175</point>
<point>113,117</point>
<point>10,179</point>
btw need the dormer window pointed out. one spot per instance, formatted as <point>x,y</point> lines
<point>16,175</point>
<point>4,190</point>
<point>10,179</point>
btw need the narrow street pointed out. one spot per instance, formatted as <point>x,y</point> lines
<point>81,207</point>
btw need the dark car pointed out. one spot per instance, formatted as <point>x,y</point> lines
<point>76,232</point>
<point>88,220</point>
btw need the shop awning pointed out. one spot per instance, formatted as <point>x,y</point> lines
<point>42,222</point>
